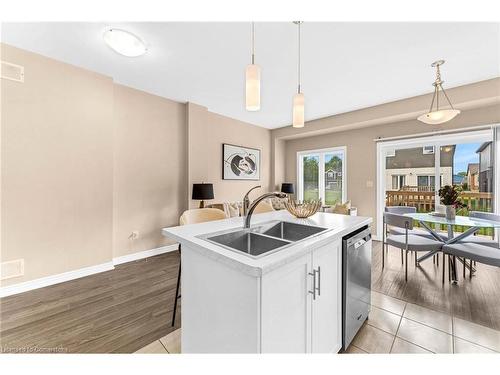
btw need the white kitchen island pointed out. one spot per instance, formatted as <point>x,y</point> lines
<point>286,301</point>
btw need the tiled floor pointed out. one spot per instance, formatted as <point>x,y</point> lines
<point>169,344</point>
<point>395,326</point>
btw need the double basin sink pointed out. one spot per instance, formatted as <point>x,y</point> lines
<point>263,238</point>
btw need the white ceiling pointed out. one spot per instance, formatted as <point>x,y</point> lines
<point>345,66</point>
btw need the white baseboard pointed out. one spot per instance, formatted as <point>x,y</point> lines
<point>145,254</point>
<point>54,279</point>
<point>82,272</point>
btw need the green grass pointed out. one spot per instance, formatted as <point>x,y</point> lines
<point>331,196</point>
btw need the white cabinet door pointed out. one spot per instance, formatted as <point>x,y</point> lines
<point>286,308</point>
<point>327,305</point>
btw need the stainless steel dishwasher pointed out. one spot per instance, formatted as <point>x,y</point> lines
<point>356,282</point>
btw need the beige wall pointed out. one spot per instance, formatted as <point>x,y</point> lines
<point>361,150</point>
<point>85,162</point>
<point>150,168</point>
<point>207,132</point>
<point>57,162</point>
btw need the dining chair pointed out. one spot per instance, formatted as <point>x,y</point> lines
<point>483,240</point>
<point>263,207</point>
<point>194,216</point>
<point>401,210</point>
<point>474,252</point>
<point>406,242</point>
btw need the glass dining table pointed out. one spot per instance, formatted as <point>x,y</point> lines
<point>473,225</point>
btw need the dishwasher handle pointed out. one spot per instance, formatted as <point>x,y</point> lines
<point>361,242</point>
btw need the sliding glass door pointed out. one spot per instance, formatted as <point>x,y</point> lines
<point>411,172</point>
<point>321,175</point>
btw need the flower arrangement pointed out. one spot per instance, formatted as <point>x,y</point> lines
<point>450,197</point>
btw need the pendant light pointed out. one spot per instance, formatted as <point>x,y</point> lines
<point>298,98</point>
<point>252,75</point>
<point>438,116</point>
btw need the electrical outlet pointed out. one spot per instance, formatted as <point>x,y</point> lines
<point>134,235</point>
<point>11,268</point>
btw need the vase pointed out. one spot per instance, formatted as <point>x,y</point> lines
<point>450,212</point>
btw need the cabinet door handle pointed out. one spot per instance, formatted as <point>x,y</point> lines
<point>319,281</point>
<point>313,292</point>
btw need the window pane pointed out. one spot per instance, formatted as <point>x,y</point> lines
<point>472,167</point>
<point>422,181</point>
<point>402,181</point>
<point>407,178</point>
<point>333,178</point>
<point>395,185</point>
<point>311,177</point>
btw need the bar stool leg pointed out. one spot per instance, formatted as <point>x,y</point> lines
<point>177,296</point>
<point>437,260</point>
<point>470,270</point>
<point>465,263</point>
<point>402,256</point>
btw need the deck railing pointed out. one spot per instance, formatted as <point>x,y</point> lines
<point>424,201</point>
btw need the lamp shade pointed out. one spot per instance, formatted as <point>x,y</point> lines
<point>287,187</point>
<point>203,191</point>
<point>298,111</point>
<point>252,87</point>
<point>438,117</point>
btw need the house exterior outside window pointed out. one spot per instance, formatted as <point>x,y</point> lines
<point>413,169</point>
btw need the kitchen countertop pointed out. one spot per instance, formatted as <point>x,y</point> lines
<point>337,225</point>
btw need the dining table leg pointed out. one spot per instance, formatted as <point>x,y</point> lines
<point>444,265</point>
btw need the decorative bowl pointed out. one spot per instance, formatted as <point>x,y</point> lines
<point>302,209</point>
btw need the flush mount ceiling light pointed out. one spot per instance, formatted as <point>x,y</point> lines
<point>298,98</point>
<point>252,78</point>
<point>438,116</point>
<point>124,42</point>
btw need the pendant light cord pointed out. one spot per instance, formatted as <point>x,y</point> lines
<point>438,84</point>
<point>298,70</point>
<point>253,43</point>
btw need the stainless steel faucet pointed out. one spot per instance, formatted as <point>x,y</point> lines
<point>256,202</point>
<point>246,200</point>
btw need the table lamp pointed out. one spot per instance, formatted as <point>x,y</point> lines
<point>287,187</point>
<point>203,191</point>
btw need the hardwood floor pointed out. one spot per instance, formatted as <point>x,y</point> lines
<point>475,300</point>
<point>118,311</point>
<point>123,310</point>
